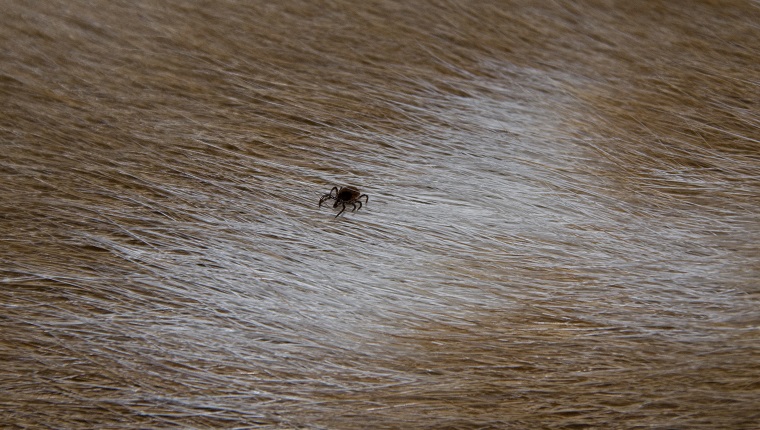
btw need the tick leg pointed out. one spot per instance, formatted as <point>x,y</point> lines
<point>329,196</point>
<point>360,206</point>
<point>341,211</point>
<point>366,198</point>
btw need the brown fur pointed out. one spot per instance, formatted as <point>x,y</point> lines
<point>563,232</point>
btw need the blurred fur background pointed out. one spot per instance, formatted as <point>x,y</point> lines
<point>562,229</point>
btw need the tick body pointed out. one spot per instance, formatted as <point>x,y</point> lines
<point>345,196</point>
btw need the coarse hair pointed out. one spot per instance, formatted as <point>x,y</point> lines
<point>563,226</point>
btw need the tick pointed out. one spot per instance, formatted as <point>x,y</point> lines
<point>345,196</point>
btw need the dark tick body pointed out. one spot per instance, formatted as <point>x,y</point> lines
<point>345,196</point>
